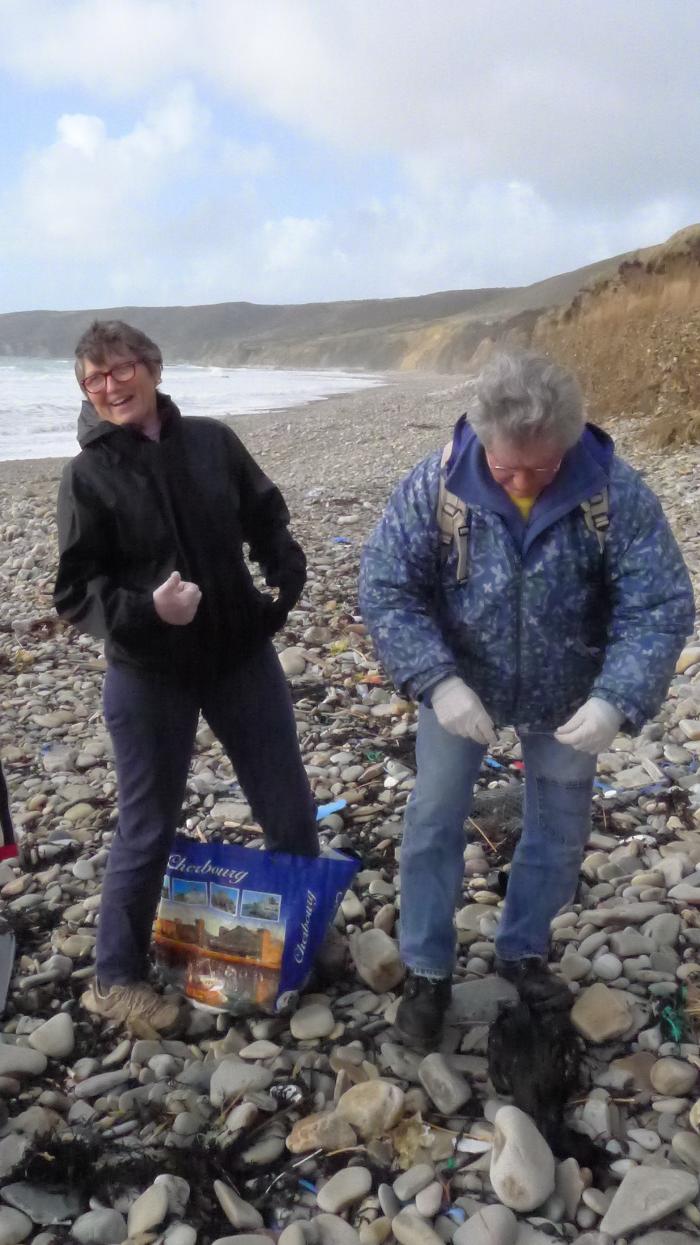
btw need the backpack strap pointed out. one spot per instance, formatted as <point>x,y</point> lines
<point>453,519</point>
<point>596,515</point>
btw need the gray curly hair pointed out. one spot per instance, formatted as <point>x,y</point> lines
<point>523,397</point>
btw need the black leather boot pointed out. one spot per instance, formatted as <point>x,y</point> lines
<point>421,1013</point>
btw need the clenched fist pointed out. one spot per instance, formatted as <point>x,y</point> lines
<point>176,601</point>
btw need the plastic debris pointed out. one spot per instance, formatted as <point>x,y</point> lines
<point>672,1019</point>
<point>288,1093</point>
<point>325,810</point>
<point>456,1214</point>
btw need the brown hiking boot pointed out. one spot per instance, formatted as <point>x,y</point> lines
<point>137,1001</point>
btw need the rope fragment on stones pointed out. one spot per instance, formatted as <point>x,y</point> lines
<point>454,520</point>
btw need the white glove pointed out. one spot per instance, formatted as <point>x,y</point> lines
<point>176,601</point>
<point>459,711</point>
<point>592,728</point>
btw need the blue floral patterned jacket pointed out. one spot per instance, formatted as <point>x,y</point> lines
<point>544,618</point>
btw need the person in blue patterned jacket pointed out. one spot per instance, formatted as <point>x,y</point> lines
<point>560,608</point>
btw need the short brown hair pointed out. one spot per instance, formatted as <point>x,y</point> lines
<point>116,337</point>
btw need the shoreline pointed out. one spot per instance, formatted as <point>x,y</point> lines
<point>376,380</point>
<point>255,427</point>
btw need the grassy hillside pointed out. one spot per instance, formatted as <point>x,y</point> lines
<point>634,339</point>
<point>432,331</point>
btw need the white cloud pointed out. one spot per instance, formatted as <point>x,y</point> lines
<point>247,160</point>
<point>518,140</point>
<point>291,242</point>
<point>111,47</point>
<point>585,99</point>
<point>88,191</point>
<point>84,134</point>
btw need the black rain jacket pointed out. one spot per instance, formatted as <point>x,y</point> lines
<point>132,510</point>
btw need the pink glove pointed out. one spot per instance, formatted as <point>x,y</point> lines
<point>592,728</point>
<point>459,711</point>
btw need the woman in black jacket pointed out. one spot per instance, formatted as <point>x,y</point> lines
<point>153,516</point>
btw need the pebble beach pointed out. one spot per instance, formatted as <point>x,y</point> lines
<point>320,1128</point>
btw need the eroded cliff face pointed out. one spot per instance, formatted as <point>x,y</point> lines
<point>634,339</point>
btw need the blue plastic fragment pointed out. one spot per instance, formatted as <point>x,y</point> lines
<point>325,810</point>
<point>457,1214</point>
<point>306,1184</point>
<point>494,764</point>
<point>341,540</point>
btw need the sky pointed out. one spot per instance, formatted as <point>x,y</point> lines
<point>159,152</point>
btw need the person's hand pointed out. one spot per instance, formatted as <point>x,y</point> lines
<point>592,728</point>
<point>459,711</point>
<point>176,601</point>
<point>289,578</point>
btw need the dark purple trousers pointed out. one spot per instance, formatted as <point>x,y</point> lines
<point>152,720</point>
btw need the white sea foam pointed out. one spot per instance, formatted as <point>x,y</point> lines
<point>40,400</point>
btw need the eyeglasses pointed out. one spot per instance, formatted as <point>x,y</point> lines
<point>531,471</point>
<point>97,381</point>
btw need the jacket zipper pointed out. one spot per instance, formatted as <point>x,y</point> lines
<point>518,639</point>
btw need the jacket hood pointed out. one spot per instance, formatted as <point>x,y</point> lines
<point>92,429</point>
<point>584,471</point>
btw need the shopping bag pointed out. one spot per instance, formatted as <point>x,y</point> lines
<point>238,929</point>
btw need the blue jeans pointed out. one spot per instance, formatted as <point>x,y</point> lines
<point>546,862</point>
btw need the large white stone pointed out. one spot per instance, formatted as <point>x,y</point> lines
<point>244,1238</point>
<point>55,1038</point>
<point>522,1165</point>
<point>344,1189</point>
<point>447,1088</point>
<point>238,1212</point>
<point>313,1021</point>
<point>601,1013</point>
<point>332,1230</point>
<point>177,1191</point>
<point>491,1225</point>
<point>21,1061</point>
<point>148,1210</point>
<point>372,1107</point>
<point>233,1076</point>
<point>410,1228</point>
<point>646,1195</point>
<point>180,1234</point>
<point>293,661</point>
<point>673,1077</point>
<point>377,961</point>
<point>685,893</point>
<point>100,1227</point>
<point>14,1226</point>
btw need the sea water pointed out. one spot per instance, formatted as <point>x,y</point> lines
<point>40,399</point>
